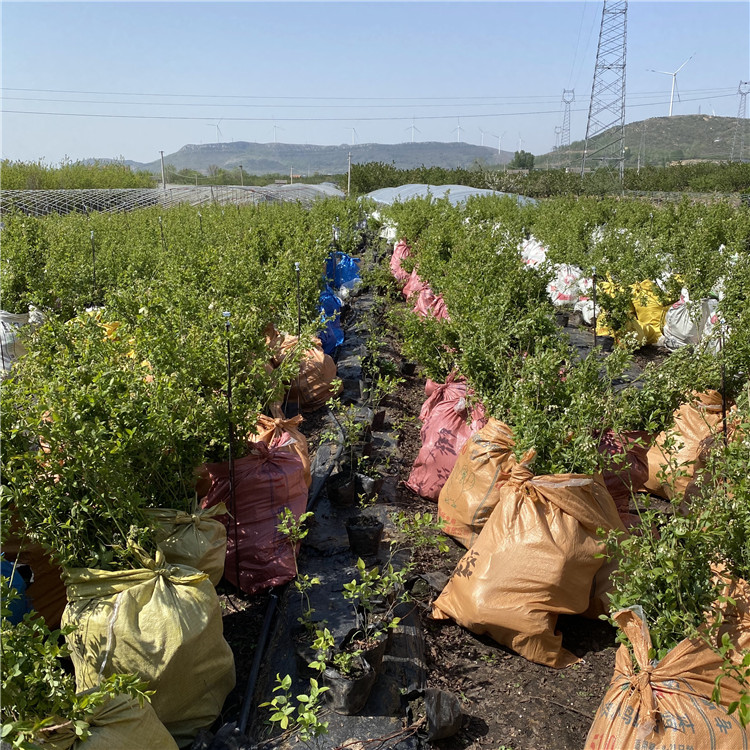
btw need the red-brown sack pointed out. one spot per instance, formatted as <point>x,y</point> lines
<point>535,558</point>
<point>471,492</point>
<point>414,285</point>
<point>46,593</point>
<point>667,704</point>
<point>266,481</point>
<point>628,470</point>
<point>447,426</point>
<point>284,433</point>
<point>400,251</point>
<point>695,423</point>
<point>430,304</point>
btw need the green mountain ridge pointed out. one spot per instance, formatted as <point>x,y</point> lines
<point>663,140</point>
<point>657,140</point>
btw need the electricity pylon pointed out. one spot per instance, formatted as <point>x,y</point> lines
<point>607,108</point>
<point>739,128</point>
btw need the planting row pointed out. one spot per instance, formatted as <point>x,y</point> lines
<point>540,457</point>
<point>146,452</point>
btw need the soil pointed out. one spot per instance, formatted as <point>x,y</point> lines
<point>509,703</point>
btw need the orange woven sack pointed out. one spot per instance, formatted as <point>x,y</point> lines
<point>471,492</point>
<point>284,433</point>
<point>694,425</point>
<point>667,704</point>
<point>317,370</point>
<point>535,558</point>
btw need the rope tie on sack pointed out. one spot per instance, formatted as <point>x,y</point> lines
<point>647,703</point>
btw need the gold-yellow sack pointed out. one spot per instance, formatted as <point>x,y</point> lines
<point>162,623</point>
<point>194,539</point>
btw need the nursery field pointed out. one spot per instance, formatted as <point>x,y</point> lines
<point>542,408</point>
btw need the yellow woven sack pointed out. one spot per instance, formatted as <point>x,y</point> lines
<point>161,622</point>
<point>649,313</point>
<point>471,492</point>
<point>120,724</point>
<point>194,539</point>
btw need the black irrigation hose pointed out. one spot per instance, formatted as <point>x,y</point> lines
<point>257,659</point>
<point>272,602</point>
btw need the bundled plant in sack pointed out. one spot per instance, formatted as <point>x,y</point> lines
<point>41,706</point>
<point>679,568</point>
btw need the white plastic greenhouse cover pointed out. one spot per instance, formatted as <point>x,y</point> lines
<point>455,193</point>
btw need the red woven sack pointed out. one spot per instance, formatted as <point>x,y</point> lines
<point>266,481</point>
<point>447,426</point>
<point>400,251</point>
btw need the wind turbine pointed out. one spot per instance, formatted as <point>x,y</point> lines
<point>218,130</point>
<point>275,128</point>
<point>354,134</point>
<point>482,141</point>
<point>457,129</point>
<point>674,79</point>
<point>413,127</point>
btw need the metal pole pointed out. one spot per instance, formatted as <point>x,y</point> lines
<point>723,387</point>
<point>93,267</point>
<point>349,176</point>
<point>242,182</point>
<point>299,325</point>
<point>230,434</point>
<point>163,180</point>
<point>257,658</point>
<point>291,177</point>
<point>161,229</point>
<point>594,295</point>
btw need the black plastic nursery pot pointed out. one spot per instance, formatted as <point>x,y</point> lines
<point>365,533</point>
<point>606,343</point>
<point>348,694</point>
<point>373,647</point>
<point>342,489</point>
<point>378,420</point>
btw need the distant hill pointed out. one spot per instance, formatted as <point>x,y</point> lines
<point>661,140</point>
<point>267,158</point>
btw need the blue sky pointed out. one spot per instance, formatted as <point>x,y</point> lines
<point>328,73</point>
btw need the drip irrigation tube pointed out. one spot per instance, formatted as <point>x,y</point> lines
<point>273,601</point>
<point>257,659</point>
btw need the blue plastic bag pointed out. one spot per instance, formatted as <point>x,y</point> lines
<point>331,334</point>
<point>20,606</point>
<point>341,269</point>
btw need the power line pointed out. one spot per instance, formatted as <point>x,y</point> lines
<point>489,99</point>
<point>393,118</point>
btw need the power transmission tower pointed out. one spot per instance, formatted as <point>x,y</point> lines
<point>607,108</point>
<point>568,97</point>
<point>739,128</point>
